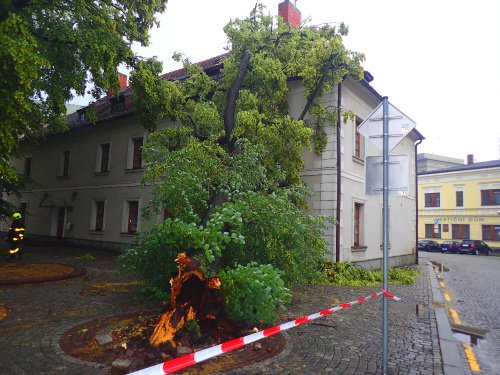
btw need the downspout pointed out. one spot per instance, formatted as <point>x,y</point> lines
<point>339,175</point>
<point>416,202</point>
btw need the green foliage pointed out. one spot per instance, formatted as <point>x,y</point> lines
<point>277,232</point>
<point>50,51</point>
<point>232,184</point>
<point>346,273</point>
<point>87,256</point>
<point>254,292</point>
<point>193,328</point>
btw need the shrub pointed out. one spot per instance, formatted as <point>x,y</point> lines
<point>346,273</point>
<point>252,293</point>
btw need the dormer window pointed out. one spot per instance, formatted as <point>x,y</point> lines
<point>117,103</point>
<point>81,116</point>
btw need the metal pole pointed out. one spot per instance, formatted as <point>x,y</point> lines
<point>385,238</point>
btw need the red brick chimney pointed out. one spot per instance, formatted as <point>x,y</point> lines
<point>470,159</point>
<point>289,12</point>
<point>123,80</point>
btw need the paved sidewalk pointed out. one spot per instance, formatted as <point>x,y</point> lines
<point>347,342</point>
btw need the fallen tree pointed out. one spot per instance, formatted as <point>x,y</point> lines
<point>226,176</point>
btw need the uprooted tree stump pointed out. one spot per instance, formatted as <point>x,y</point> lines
<point>193,296</point>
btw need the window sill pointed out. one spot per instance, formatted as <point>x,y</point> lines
<point>105,173</point>
<point>97,232</point>
<point>134,170</point>
<point>358,160</point>
<point>126,234</point>
<point>358,249</point>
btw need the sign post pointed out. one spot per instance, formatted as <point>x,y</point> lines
<point>385,222</point>
<point>395,126</point>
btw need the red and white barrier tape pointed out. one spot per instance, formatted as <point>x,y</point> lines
<point>179,363</point>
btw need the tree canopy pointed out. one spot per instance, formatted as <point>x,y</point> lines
<point>227,173</point>
<point>53,50</point>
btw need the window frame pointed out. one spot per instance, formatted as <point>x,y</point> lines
<point>66,163</point>
<point>490,197</point>
<point>494,235</point>
<point>128,210</point>
<point>459,198</point>
<point>434,201</point>
<point>28,166</point>
<point>460,235</point>
<point>135,161</point>
<point>432,232</point>
<point>103,157</point>
<point>94,215</point>
<point>359,144</point>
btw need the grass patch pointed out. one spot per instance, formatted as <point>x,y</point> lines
<point>346,273</point>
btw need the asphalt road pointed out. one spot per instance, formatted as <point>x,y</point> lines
<point>471,290</point>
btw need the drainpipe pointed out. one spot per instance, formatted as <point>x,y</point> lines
<point>416,202</point>
<point>339,175</point>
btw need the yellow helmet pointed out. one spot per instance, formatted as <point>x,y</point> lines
<point>16,215</point>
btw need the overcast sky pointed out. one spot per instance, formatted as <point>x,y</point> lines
<point>436,60</point>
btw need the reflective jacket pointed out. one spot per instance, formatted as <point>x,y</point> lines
<point>16,230</point>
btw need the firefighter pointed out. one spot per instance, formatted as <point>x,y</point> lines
<point>16,235</point>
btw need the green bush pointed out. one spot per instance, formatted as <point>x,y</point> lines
<point>279,233</point>
<point>346,273</point>
<point>254,292</point>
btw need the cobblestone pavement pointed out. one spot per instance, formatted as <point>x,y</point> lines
<point>347,342</point>
<point>472,283</point>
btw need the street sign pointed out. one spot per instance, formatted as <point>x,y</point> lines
<point>436,221</point>
<point>399,126</point>
<point>399,176</point>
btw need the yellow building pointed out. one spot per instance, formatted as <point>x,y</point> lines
<point>460,203</point>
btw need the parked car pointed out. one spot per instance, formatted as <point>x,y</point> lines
<point>450,246</point>
<point>428,245</point>
<point>474,247</point>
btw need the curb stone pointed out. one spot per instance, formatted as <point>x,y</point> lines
<point>447,343</point>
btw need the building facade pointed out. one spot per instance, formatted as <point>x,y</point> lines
<point>431,162</point>
<point>89,188</point>
<point>461,203</point>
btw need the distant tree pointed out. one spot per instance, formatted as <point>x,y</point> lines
<point>228,173</point>
<point>52,50</point>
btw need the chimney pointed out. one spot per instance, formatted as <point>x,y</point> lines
<point>123,80</point>
<point>470,159</point>
<point>289,12</point>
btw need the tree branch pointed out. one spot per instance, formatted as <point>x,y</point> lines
<point>232,95</point>
<point>313,95</point>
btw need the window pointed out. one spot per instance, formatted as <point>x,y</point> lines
<point>432,231</point>
<point>459,198</point>
<point>490,197</point>
<point>460,231</point>
<point>446,228</point>
<point>65,167</point>
<point>432,199</point>
<point>27,166</point>
<point>97,216</point>
<point>117,104</point>
<point>358,224</point>
<point>103,157</point>
<point>491,232</point>
<point>81,116</point>
<point>358,141</point>
<point>132,216</point>
<point>134,157</point>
